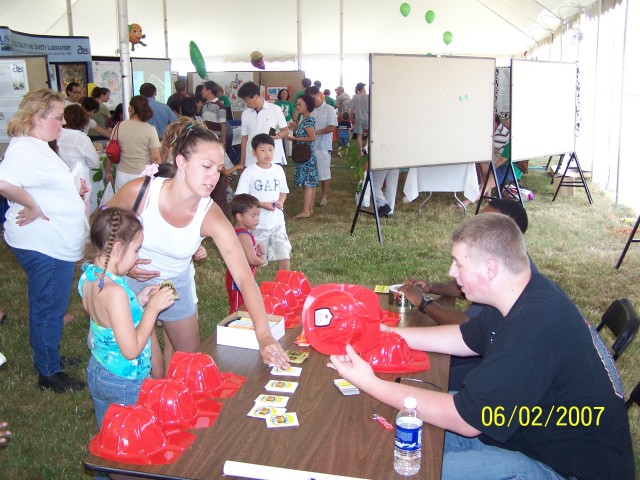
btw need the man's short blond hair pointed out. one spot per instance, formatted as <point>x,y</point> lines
<point>493,235</point>
<point>36,103</point>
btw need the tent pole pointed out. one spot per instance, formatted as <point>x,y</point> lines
<point>166,29</point>
<point>299,34</point>
<point>69,18</point>
<point>341,41</point>
<point>125,60</point>
<point>621,114</point>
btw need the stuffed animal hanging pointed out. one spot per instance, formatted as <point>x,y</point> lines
<point>136,36</point>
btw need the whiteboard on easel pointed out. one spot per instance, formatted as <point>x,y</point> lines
<point>430,110</point>
<point>543,108</point>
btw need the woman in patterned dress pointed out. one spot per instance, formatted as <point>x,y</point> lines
<point>306,174</point>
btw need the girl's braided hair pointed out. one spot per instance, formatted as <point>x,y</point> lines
<point>108,226</point>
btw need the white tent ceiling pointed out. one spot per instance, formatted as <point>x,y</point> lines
<point>227,30</point>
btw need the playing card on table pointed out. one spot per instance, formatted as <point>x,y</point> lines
<point>281,386</point>
<point>346,388</point>
<point>381,289</point>
<point>286,372</point>
<point>296,356</point>
<point>265,412</point>
<point>285,420</point>
<point>271,401</point>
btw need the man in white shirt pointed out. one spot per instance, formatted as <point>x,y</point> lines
<point>74,94</point>
<point>260,117</point>
<point>213,112</point>
<point>326,123</point>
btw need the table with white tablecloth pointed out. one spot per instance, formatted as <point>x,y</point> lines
<point>443,178</point>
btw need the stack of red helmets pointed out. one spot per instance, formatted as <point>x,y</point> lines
<point>284,293</point>
<point>154,430</point>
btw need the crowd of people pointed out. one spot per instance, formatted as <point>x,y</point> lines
<point>522,343</point>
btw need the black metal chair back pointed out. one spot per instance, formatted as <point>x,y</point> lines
<point>621,318</point>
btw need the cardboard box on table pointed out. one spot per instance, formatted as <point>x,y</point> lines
<point>246,338</point>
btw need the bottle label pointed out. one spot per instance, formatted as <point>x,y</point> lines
<point>409,435</point>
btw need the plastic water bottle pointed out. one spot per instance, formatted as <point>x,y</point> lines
<point>406,457</point>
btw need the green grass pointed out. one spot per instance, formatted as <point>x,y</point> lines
<point>572,242</point>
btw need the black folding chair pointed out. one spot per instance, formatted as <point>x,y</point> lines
<point>621,318</point>
<point>634,397</point>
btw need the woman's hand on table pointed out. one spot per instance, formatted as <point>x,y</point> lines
<point>272,353</point>
<point>28,215</point>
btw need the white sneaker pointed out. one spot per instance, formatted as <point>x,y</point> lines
<point>405,200</point>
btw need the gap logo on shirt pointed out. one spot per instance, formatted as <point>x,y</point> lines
<point>267,186</point>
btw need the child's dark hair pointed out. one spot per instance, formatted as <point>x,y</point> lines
<point>108,226</point>
<point>181,137</point>
<point>345,115</point>
<point>261,139</point>
<point>242,203</point>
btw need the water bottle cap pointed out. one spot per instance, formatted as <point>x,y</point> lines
<point>410,402</point>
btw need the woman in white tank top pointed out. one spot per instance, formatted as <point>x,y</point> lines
<point>177,214</point>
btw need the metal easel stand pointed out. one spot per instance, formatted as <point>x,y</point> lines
<point>582,183</point>
<point>628,244</point>
<point>557,166</point>
<point>493,172</point>
<point>368,182</point>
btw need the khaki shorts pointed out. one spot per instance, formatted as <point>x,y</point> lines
<point>275,242</point>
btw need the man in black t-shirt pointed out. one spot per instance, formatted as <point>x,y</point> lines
<point>546,402</point>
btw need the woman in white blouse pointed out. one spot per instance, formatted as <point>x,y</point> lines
<point>44,227</point>
<point>77,151</point>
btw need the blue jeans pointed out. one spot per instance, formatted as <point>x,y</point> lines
<point>49,283</point>
<point>466,458</point>
<point>106,388</point>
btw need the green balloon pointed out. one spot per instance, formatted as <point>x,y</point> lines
<point>447,37</point>
<point>405,9</point>
<point>429,16</point>
<point>197,60</point>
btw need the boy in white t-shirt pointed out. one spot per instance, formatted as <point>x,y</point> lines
<point>268,183</point>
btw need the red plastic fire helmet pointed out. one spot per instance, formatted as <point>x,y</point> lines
<point>132,434</point>
<point>273,306</point>
<point>200,374</point>
<point>393,355</point>
<point>175,407</point>
<point>334,318</point>
<point>297,281</point>
<point>282,292</point>
<point>366,296</point>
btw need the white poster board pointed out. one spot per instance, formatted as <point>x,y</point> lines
<point>108,74</point>
<point>543,108</point>
<point>152,70</point>
<point>13,86</point>
<point>430,110</point>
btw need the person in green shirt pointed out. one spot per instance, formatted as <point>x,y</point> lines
<point>328,99</point>
<point>284,103</point>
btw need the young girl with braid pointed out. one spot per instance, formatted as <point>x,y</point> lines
<point>125,349</point>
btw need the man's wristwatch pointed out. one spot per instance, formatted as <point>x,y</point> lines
<point>426,300</point>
